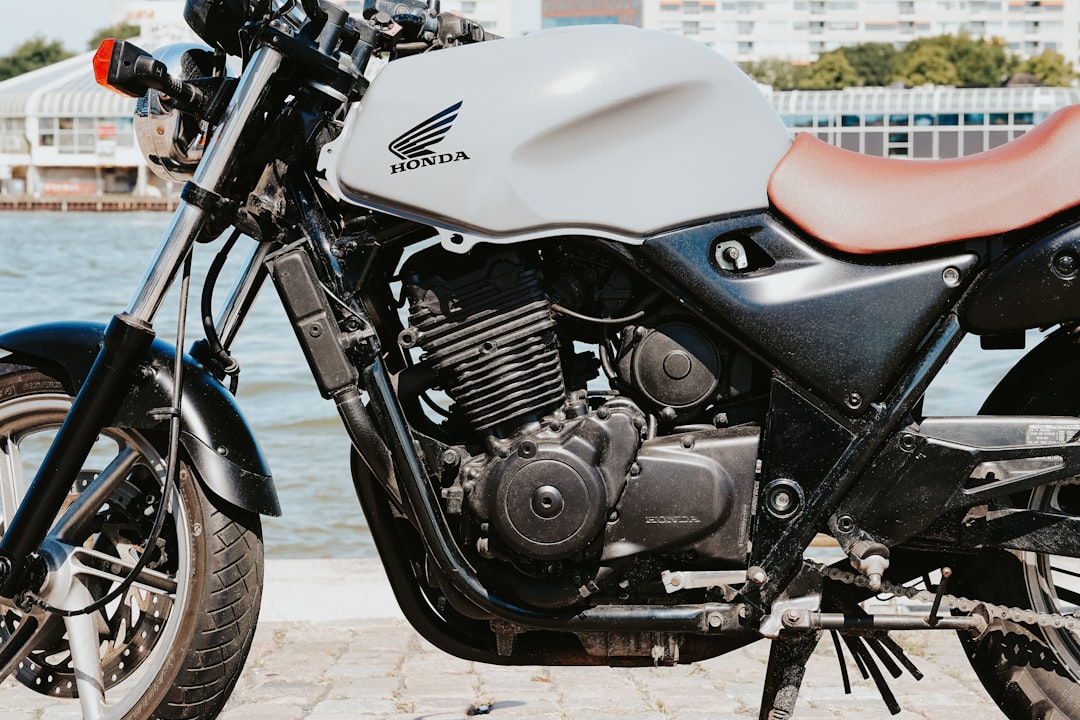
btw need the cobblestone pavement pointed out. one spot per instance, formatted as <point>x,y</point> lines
<point>384,670</point>
<point>341,668</point>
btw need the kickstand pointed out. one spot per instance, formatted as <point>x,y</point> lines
<point>787,666</point>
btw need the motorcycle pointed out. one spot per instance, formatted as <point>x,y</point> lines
<point>610,349</point>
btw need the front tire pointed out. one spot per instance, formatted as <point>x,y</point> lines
<point>173,645</point>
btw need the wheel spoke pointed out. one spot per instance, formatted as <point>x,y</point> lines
<point>1063,571</point>
<point>32,626</point>
<point>13,481</point>
<point>87,563</point>
<point>72,526</point>
<point>1067,595</point>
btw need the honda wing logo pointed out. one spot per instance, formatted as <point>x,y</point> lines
<point>414,145</point>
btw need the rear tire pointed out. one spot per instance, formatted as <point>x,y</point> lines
<point>1030,671</point>
<point>174,644</point>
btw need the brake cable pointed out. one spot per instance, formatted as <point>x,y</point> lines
<point>217,352</point>
<point>171,462</point>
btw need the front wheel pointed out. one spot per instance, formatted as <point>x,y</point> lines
<point>173,644</point>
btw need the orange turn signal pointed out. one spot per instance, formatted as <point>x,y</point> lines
<point>102,62</point>
<point>125,68</point>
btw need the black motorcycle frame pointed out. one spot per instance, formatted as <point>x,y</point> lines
<point>840,430</point>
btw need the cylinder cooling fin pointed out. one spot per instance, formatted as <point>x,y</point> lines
<point>485,327</point>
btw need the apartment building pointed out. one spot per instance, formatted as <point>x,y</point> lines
<point>752,29</point>
<point>803,29</point>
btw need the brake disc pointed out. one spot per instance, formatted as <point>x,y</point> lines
<point>129,627</point>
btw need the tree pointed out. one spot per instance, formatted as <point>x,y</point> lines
<point>831,71</point>
<point>928,65</point>
<point>120,31</point>
<point>1050,67</point>
<point>976,62</point>
<point>34,53</point>
<point>775,72</point>
<point>980,63</point>
<point>873,62</point>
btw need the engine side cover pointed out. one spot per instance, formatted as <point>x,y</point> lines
<point>551,497</point>
<point>607,128</point>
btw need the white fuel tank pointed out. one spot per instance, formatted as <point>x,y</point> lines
<point>611,129</point>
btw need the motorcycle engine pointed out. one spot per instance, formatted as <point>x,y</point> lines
<point>547,474</point>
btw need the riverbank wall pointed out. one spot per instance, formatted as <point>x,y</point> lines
<point>86,203</point>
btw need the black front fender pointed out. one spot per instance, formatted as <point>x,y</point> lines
<point>213,433</point>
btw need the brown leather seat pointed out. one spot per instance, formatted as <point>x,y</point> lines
<point>861,204</point>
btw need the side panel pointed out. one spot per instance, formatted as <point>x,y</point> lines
<point>606,128</point>
<point>843,327</point>
<point>213,432</point>
<point>1035,286</point>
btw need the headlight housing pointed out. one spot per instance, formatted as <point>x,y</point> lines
<point>172,142</point>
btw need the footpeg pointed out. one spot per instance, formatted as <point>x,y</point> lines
<point>676,581</point>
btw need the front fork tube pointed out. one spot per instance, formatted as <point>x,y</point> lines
<point>126,341</point>
<point>209,177</point>
<point>125,344</point>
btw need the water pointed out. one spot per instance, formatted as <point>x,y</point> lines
<point>86,266</point>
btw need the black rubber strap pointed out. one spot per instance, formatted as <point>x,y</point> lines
<point>209,201</point>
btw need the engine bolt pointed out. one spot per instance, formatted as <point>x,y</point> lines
<point>451,457</point>
<point>716,620</point>
<point>792,617</point>
<point>1065,265</point>
<point>527,449</point>
<point>908,443</point>
<point>635,470</point>
<point>951,277</point>
<point>757,576</point>
<point>845,524</point>
<point>603,413</point>
<point>782,501</point>
<point>687,442</point>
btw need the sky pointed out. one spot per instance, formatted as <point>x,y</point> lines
<point>72,22</point>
